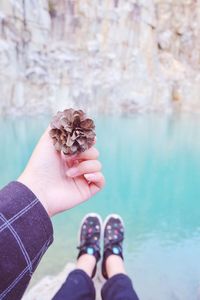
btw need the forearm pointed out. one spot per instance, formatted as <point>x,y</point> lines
<point>38,188</point>
<point>25,234</point>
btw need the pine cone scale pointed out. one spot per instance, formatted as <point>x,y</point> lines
<point>87,124</point>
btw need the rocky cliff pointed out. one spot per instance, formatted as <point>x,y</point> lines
<point>104,56</point>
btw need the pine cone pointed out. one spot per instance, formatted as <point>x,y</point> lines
<point>72,132</point>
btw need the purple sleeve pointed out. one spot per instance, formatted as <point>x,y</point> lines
<point>25,234</point>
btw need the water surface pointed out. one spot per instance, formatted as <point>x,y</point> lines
<point>152,168</point>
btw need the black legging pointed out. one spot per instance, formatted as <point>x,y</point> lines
<point>79,286</point>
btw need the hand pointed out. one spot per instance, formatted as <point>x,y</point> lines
<point>60,182</point>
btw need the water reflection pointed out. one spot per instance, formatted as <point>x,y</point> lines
<point>152,168</point>
<point>18,137</point>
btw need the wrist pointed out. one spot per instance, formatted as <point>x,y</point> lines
<point>35,187</point>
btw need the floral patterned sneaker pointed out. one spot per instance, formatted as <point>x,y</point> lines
<point>113,239</point>
<point>89,237</point>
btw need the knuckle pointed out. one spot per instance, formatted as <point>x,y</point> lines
<point>99,165</point>
<point>93,165</point>
<point>103,181</point>
<point>96,152</point>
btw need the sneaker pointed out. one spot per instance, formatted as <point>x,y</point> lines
<point>113,239</point>
<point>89,237</point>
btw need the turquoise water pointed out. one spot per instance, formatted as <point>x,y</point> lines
<point>152,168</point>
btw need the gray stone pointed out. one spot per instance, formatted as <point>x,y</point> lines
<point>102,56</point>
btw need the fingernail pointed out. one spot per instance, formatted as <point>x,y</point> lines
<point>89,177</point>
<point>72,172</point>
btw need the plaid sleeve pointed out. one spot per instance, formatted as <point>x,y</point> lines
<point>25,234</point>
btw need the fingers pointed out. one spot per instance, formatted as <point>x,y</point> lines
<point>89,154</point>
<point>96,178</point>
<point>84,167</point>
<point>97,181</point>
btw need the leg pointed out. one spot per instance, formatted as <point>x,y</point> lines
<point>79,285</point>
<point>118,285</point>
<point>114,265</point>
<point>86,262</point>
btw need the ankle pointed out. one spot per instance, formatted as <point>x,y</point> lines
<point>86,262</point>
<point>114,265</point>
